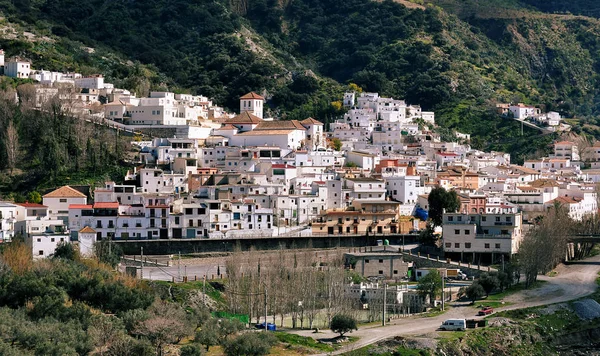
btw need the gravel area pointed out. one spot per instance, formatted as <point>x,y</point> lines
<point>587,309</point>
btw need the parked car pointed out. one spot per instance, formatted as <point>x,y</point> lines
<point>485,311</point>
<point>454,324</point>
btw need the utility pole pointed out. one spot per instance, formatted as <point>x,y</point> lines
<point>266,328</point>
<point>384,304</point>
<point>443,292</point>
<point>142,262</point>
<point>179,267</point>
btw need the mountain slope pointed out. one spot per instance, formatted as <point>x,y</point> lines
<point>458,59</point>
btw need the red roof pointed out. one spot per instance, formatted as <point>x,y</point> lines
<point>252,95</point>
<point>284,166</point>
<point>111,205</point>
<point>319,182</point>
<point>80,206</point>
<point>32,205</point>
<point>447,154</point>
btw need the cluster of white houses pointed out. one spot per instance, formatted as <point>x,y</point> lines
<point>250,176</point>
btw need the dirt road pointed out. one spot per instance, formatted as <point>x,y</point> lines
<point>572,282</point>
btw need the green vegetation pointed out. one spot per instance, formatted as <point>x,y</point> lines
<point>430,285</point>
<point>343,324</point>
<point>439,200</point>
<point>307,342</point>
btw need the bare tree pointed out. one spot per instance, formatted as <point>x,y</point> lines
<point>11,142</point>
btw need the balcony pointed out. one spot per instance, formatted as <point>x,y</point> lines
<point>494,237</point>
<point>125,225</point>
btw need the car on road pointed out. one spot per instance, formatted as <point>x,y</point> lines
<point>486,311</point>
<point>454,324</point>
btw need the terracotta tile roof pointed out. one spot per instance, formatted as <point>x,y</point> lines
<point>311,121</point>
<point>87,230</point>
<point>266,132</point>
<point>543,183</point>
<point>280,125</point>
<point>112,205</point>
<point>80,206</point>
<point>566,200</point>
<point>32,205</point>
<point>65,192</point>
<point>564,143</point>
<point>252,95</point>
<point>244,118</point>
<point>228,127</point>
<point>282,166</point>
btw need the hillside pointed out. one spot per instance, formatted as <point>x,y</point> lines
<point>455,57</point>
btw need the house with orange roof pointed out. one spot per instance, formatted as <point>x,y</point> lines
<point>58,202</point>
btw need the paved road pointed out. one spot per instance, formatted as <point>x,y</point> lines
<point>572,282</point>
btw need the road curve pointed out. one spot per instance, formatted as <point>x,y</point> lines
<point>573,281</point>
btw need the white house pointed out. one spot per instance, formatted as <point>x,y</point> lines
<point>521,111</point>
<point>58,202</point>
<point>8,217</point>
<point>16,68</point>
<point>473,236</point>
<point>43,244</point>
<point>405,189</point>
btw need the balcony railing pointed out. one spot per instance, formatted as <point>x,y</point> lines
<point>490,236</point>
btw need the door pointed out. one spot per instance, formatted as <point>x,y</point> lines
<point>177,233</point>
<point>164,233</point>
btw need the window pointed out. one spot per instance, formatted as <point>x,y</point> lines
<point>395,271</point>
<point>508,219</point>
<point>62,200</point>
<point>380,272</point>
<point>450,218</point>
<point>448,245</point>
<point>467,245</point>
<point>457,232</point>
<point>52,239</point>
<point>380,261</point>
<point>487,245</point>
<point>459,218</point>
<point>366,261</point>
<point>483,218</point>
<point>457,245</point>
<point>504,232</point>
<point>467,232</point>
<point>40,253</point>
<point>497,245</point>
<point>497,218</point>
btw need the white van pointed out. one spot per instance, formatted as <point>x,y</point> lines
<point>454,324</point>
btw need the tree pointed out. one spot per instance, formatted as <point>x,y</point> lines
<point>250,344</point>
<point>104,331</point>
<point>34,197</point>
<point>342,324</point>
<point>208,335</point>
<point>336,144</point>
<point>11,142</point>
<point>439,200</point>
<point>108,252</point>
<point>66,251</point>
<point>191,350</point>
<point>167,323</point>
<point>544,245</point>
<point>489,283</point>
<point>430,285</point>
<point>474,291</point>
